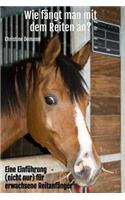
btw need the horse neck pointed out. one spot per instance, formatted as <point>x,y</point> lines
<point>13,128</point>
<point>14,125</point>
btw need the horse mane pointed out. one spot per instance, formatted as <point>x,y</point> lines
<point>9,101</point>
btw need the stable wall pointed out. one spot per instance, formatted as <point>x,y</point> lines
<point>105,107</point>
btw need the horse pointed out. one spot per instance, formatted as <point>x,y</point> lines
<point>46,97</point>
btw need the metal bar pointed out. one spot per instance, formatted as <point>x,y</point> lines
<point>11,42</point>
<point>122,99</point>
<point>22,35</point>
<point>6,41</point>
<point>45,22</point>
<point>58,8</point>
<point>39,22</point>
<point>27,35</point>
<point>33,40</point>
<point>64,35</point>
<point>16,38</point>
<point>52,21</point>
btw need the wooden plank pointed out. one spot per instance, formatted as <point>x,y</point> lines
<point>110,157</point>
<point>105,105</point>
<point>108,14</point>
<point>105,86</point>
<point>105,125</point>
<point>107,144</point>
<point>113,186</point>
<point>108,182</point>
<point>55,171</point>
<point>104,65</point>
<point>53,165</point>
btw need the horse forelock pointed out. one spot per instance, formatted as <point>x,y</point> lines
<point>71,76</point>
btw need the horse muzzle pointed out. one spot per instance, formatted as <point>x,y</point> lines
<point>86,174</point>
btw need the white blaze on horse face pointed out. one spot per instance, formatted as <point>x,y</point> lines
<point>85,142</point>
<point>83,135</point>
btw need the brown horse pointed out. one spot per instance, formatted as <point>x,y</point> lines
<point>46,97</point>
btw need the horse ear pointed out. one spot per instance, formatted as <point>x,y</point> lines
<point>52,51</point>
<point>81,57</point>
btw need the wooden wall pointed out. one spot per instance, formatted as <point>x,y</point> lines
<point>105,106</point>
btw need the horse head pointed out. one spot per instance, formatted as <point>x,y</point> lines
<point>57,110</point>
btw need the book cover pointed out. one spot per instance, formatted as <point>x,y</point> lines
<point>62,99</point>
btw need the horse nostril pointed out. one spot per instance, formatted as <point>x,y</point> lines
<point>87,171</point>
<point>82,171</point>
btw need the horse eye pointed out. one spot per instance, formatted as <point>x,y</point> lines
<point>50,100</point>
